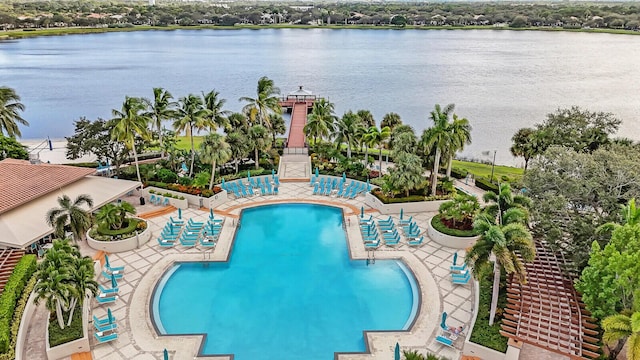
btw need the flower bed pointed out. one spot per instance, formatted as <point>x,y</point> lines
<point>406,199</point>
<point>133,228</point>
<point>187,189</point>
<point>120,242</point>
<point>439,225</point>
<point>451,241</point>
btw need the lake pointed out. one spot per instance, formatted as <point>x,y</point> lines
<point>499,80</point>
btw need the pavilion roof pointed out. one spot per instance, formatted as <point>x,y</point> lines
<point>548,312</point>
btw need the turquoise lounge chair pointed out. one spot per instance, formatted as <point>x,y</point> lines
<point>102,321</point>
<point>105,290</point>
<point>117,274</point>
<point>455,267</point>
<point>105,327</point>
<point>406,221</point>
<point>372,245</point>
<point>105,338</point>
<point>109,268</point>
<point>444,341</point>
<point>207,241</point>
<point>366,220</point>
<point>392,241</point>
<point>461,279</point>
<point>166,242</point>
<point>416,242</point>
<point>106,298</point>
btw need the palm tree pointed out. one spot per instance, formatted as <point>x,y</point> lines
<point>391,120</point>
<point>213,104</point>
<point>159,110</point>
<point>437,136</point>
<point>114,215</point>
<point>277,125</point>
<point>191,115</point>
<point>407,173</point>
<point>510,243</point>
<point>259,138</point>
<point>630,216</point>
<point>215,151</point>
<point>623,328</point>
<point>498,204</point>
<point>52,287</point>
<point>79,219</point>
<point>265,103</point>
<point>367,118</point>
<point>523,145</point>
<point>346,131</point>
<point>129,122</point>
<point>81,276</point>
<point>10,105</point>
<point>238,145</point>
<point>460,135</point>
<point>321,120</point>
<point>236,121</point>
<point>375,137</point>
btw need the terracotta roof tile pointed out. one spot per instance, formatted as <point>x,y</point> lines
<point>21,181</point>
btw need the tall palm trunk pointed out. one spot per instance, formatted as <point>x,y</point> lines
<point>161,142</point>
<point>434,174</point>
<point>72,307</point>
<point>213,174</point>
<point>257,167</point>
<point>349,150</point>
<point>494,292</point>
<point>59,314</point>
<point>380,173</point>
<point>193,152</point>
<point>237,161</point>
<point>366,156</point>
<point>135,158</point>
<point>449,166</point>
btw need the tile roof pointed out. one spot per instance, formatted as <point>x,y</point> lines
<point>21,181</point>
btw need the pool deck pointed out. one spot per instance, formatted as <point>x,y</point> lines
<point>137,338</point>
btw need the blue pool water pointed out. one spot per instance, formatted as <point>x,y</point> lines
<point>289,291</point>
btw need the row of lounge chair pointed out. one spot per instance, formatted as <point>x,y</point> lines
<point>389,231</point>
<point>448,334</point>
<point>191,233</point>
<point>109,294</point>
<point>460,274</point>
<point>327,186</point>
<point>239,189</point>
<point>158,200</point>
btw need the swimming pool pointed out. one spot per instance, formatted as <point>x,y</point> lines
<point>289,290</point>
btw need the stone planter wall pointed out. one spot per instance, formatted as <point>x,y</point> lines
<point>454,242</point>
<point>72,347</point>
<point>24,325</point>
<point>121,245</point>
<point>410,207</point>
<point>193,200</point>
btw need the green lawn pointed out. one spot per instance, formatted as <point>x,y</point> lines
<point>184,142</point>
<point>484,170</point>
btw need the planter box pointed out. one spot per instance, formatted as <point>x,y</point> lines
<point>409,207</point>
<point>193,200</point>
<point>72,347</point>
<point>121,245</point>
<point>454,242</point>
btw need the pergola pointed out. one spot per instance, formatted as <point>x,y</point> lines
<point>548,312</point>
<point>8,260</point>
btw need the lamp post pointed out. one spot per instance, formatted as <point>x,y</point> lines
<point>493,164</point>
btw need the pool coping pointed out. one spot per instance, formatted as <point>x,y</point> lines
<point>424,279</point>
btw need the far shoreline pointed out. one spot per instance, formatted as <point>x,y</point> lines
<point>30,33</point>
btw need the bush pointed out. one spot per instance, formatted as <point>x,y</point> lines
<point>131,226</point>
<point>485,184</point>
<point>484,334</point>
<point>17,317</point>
<point>437,224</point>
<point>185,181</point>
<point>12,292</point>
<point>166,176</point>
<point>72,332</point>
<point>459,173</point>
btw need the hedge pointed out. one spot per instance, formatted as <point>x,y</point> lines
<point>485,184</point>
<point>12,292</point>
<point>15,324</point>
<point>437,224</point>
<point>405,199</point>
<point>459,173</point>
<point>132,224</point>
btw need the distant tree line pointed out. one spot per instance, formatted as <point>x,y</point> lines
<point>45,14</point>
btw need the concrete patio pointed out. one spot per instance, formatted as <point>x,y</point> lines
<point>145,265</point>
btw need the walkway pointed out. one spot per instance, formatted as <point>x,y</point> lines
<point>294,167</point>
<point>430,263</point>
<point>296,128</point>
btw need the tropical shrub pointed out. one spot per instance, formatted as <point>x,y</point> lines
<point>185,181</point>
<point>166,175</point>
<point>459,173</point>
<point>9,297</point>
<point>485,184</point>
<point>459,212</point>
<point>437,224</point>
